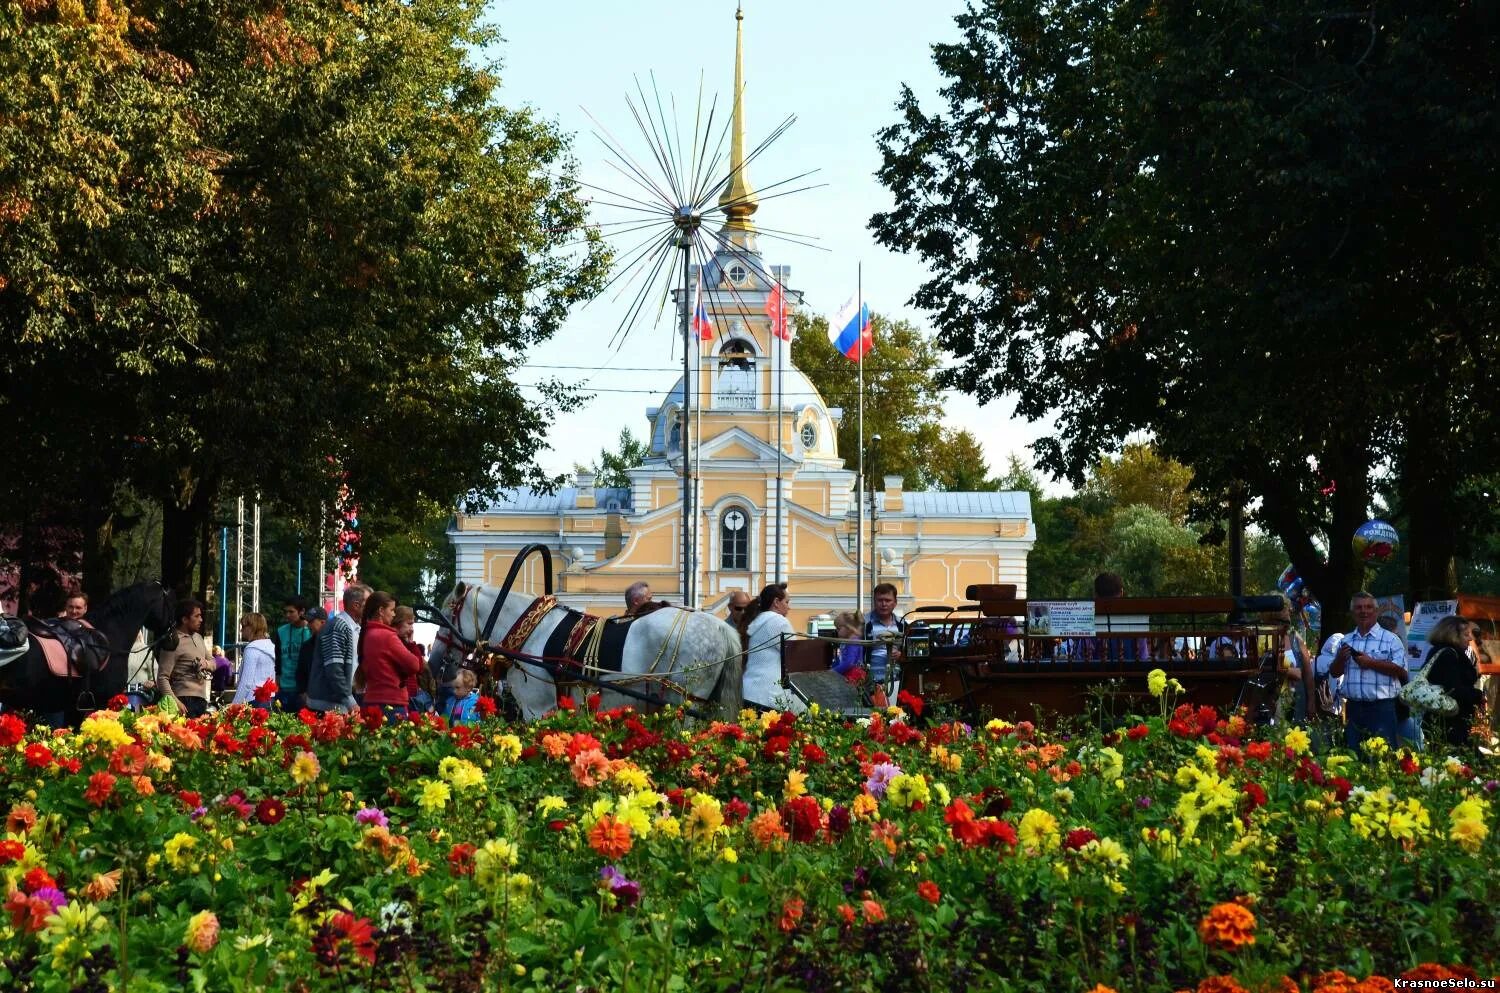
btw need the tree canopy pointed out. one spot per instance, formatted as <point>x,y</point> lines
<point>1263,233</point>
<point>276,249</point>
<point>902,405</point>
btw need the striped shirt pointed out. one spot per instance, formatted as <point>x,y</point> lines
<point>1361,683</point>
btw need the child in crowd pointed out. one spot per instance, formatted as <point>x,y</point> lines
<point>461,708</point>
<point>223,676</point>
<point>848,625</point>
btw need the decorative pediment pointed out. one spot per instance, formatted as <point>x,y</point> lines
<point>739,445</point>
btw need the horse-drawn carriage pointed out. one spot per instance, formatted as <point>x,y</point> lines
<point>998,655</point>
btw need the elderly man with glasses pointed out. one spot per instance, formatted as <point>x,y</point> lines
<point>738,601</point>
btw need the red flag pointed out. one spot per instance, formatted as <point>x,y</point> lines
<point>776,309</point>
<point>701,323</point>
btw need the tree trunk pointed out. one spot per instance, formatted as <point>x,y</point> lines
<point>1332,581</point>
<point>1427,501</point>
<point>99,552</point>
<point>205,559</point>
<point>180,523</point>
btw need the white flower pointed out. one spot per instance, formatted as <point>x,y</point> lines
<point>396,916</point>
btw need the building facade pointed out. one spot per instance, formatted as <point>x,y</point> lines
<point>774,498</point>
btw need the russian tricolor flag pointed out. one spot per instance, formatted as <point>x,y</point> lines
<point>850,329</point>
<point>700,317</point>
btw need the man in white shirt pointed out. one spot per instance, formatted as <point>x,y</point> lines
<point>1372,662</point>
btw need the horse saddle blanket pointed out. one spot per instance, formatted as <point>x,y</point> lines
<point>70,647</point>
<point>589,641</point>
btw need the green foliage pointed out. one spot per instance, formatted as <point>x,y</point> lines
<point>1263,233</point>
<point>320,246</point>
<point>901,398</point>
<point>612,467</point>
<point>1130,519</point>
<point>416,562</point>
<point>954,462</point>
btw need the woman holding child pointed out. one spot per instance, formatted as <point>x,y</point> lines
<point>385,662</point>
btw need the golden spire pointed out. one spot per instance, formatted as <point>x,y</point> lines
<point>738,198</point>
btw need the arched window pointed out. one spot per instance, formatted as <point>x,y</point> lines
<point>735,386</point>
<point>674,431</point>
<point>734,540</point>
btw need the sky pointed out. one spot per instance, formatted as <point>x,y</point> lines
<point>838,66</point>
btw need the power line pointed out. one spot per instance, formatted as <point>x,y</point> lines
<point>785,393</point>
<point>650,368</point>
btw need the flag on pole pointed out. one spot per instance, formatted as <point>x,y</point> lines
<point>850,330</point>
<point>700,316</point>
<point>776,309</point>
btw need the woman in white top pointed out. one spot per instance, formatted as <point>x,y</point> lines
<point>761,627</point>
<point>257,658</point>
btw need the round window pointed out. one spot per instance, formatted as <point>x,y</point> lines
<point>809,436</point>
<point>737,274</point>
<point>734,520</point>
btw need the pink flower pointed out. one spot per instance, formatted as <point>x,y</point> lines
<point>202,931</point>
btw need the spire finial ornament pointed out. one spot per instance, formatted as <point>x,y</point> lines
<point>738,198</point>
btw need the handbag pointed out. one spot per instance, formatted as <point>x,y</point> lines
<point>1419,694</point>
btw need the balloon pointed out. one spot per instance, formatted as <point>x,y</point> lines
<point>1375,542</point>
<point>1314,614</point>
<point>1290,583</point>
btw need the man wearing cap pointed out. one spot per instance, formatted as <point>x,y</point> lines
<point>290,637</point>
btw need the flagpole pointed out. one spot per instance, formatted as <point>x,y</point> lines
<point>697,451</point>
<point>859,493</point>
<point>686,244</point>
<point>776,325</point>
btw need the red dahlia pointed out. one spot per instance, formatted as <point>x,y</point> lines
<point>270,811</point>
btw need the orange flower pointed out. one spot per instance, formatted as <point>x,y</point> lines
<point>1221,984</point>
<point>847,913</point>
<point>609,837</point>
<point>1101,988</point>
<point>21,819</point>
<point>102,886</point>
<point>590,768</point>
<point>928,890</point>
<point>1374,984</point>
<point>1228,926</point>
<point>1434,970</point>
<point>791,914</point>
<point>1336,981</point>
<point>767,830</point>
<point>555,745</point>
<point>874,912</point>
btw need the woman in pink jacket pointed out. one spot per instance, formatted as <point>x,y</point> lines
<point>384,661</point>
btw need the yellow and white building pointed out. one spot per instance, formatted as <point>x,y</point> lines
<point>931,545</point>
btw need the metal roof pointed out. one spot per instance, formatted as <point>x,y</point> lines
<point>993,503</point>
<point>525,500</point>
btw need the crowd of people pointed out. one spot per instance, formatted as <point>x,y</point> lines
<point>365,655</point>
<point>1358,677</point>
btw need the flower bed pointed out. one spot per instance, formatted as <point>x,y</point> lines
<point>615,851</point>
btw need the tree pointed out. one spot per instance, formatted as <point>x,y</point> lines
<point>368,244</point>
<point>611,468</point>
<point>1262,233</point>
<point>955,462</point>
<point>901,396</point>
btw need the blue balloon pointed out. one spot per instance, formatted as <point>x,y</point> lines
<point>1290,583</point>
<point>1375,541</point>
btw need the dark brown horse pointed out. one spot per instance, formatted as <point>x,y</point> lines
<point>102,672</point>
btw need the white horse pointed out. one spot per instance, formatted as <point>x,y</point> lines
<point>667,651</point>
